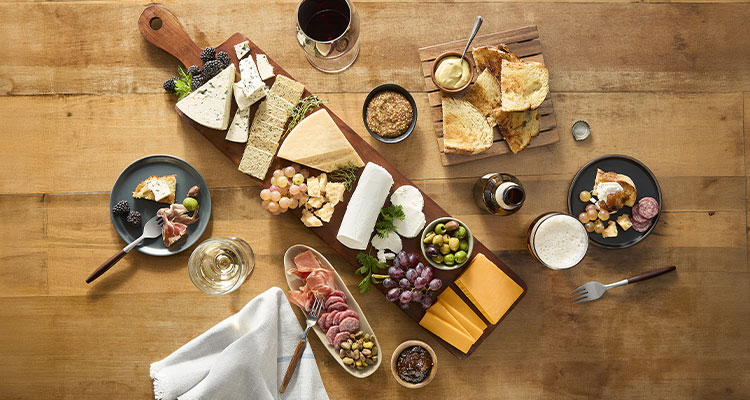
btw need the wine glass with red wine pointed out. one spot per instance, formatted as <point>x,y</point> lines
<point>328,31</point>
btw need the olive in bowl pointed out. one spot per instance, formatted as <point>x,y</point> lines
<point>447,243</point>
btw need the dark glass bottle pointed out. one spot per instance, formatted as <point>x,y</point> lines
<point>499,194</point>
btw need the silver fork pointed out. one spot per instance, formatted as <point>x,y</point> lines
<point>151,230</point>
<point>594,290</point>
<point>312,320</point>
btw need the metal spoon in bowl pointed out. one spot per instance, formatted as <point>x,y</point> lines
<point>477,24</point>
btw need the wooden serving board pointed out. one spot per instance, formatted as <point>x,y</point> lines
<point>525,43</point>
<point>172,38</point>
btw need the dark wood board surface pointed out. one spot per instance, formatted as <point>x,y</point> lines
<point>525,43</point>
<point>170,37</point>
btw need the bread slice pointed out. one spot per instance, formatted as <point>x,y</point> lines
<point>628,186</point>
<point>143,192</point>
<point>491,58</point>
<point>524,85</point>
<point>485,93</point>
<point>517,128</point>
<point>465,130</point>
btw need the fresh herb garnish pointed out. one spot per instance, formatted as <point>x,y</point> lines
<point>182,84</point>
<point>300,110</point>
<point>369,267</point>
<point>346,175</point>
<point>385,220</point>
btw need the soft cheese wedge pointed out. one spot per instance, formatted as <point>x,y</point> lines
<point>157,188</point>
<point>489,288</point>
<point>209,105</point>
<point>240,127</point>
<point>317,142</point>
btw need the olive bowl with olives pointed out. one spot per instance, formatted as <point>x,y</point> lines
<point>447,243</point>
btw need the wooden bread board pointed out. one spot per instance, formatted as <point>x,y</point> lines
<point>525,43</point>
<point>188,53</point>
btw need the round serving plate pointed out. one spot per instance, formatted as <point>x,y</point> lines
<point>645,183</point>
<point>159,165</point>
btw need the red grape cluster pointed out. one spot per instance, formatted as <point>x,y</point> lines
<point>409,280</point>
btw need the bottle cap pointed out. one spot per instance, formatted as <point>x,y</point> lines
<point>581,130</point>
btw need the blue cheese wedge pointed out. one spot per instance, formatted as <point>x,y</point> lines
<point>249,72</point>
<point>240,127</point>
<point>209,105</point>
<point>159,188</point>
<point>241,49</point>
<point>245,94</point>
<point>264,67</point>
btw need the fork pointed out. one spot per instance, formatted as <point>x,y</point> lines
<point>151,230</point>
<point>594,290</point>
<point>312,320</point>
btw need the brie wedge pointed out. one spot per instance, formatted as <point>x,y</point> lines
<point>209,105</point>
<point>240,127</point>
<point>264,67</point>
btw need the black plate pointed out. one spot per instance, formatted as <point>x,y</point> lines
<point>159,165</point>
<point>645,184</point>
<point>398,89</point>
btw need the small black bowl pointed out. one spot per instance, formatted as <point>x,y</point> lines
<point>395,88</point>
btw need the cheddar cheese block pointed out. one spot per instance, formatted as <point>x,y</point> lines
<point>462,313</point>
<point>441,312</point>
<point>451,334</point>
<point>489,288</point>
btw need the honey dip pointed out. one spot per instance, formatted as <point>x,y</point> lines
<point>452,72</point>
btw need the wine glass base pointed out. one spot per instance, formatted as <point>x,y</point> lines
<point>334,65</point>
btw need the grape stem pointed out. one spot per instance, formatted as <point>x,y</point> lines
<point>380,276</point>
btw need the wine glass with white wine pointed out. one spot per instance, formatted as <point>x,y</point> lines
<point>221,265</point>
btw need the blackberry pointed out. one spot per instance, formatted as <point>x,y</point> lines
<point>194,70</point>
<point>134,219</point>
<point>121,208</point>
<point>197,82</point>
<point>211,69</point>
<point>169,84</point>
<point>224,58</point>
<point>208,54</point>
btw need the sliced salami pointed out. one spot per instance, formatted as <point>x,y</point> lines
<point>329,319</point>
<point>331,334</point>
<point>349,324</point>
<point>334,299</point>
<point>340,338</point>
<point>338,306</point>
<point>345,314</point>
<point>339,294</point>
<point>648,207</point>
<point>641,226</point>
<point>636,216</point>
<point>322,322</point>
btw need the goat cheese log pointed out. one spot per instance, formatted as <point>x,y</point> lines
<point>362,211</point>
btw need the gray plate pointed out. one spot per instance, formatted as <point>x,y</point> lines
<point>159,165</point>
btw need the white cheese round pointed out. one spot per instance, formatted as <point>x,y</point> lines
<point>412,224</point>
<point>407,196</point>
<point>364,207</point>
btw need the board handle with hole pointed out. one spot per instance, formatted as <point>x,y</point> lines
<point>162,28</point>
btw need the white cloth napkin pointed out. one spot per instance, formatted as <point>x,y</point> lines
<point>243,357</point>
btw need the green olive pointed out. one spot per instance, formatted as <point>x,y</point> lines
<point>438,258</point>
<point>190,203</point>
<point>446,238</point>
<point>428,237</point>
<point>463,245</point>
<point>461,232</point>
<point>448,259</point>
<point>437,240</point>
<point>445,248</point>
<point>460,256</point>
<point>440,229</point>
<point>453,244</point>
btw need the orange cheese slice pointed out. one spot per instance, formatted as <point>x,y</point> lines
<point>444,330</point>
<point>489,288</point>
<point>462,313</point>
<point>441,312</point>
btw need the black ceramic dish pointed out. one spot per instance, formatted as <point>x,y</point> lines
<point>395,88</point>
<point>645,183</point>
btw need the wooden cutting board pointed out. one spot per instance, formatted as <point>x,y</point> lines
<point>525,43</point>
<point>162,28</point>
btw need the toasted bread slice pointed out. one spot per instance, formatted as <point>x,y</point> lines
<point>491,58</point>
<point>465,130</point>
<point>485,93</point>
<point>143,192</point>
<point>628,186</point>
<point>524,85</point>
<point>517,128</point>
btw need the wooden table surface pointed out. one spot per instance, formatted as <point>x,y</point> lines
<point>667,83</point>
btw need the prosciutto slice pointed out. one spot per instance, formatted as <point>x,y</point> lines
<point>176,220</point>
<point>318,280</point>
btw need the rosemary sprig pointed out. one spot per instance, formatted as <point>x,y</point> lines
<point>182,84</point>
<point>299,111</point>
<point>346,175</point>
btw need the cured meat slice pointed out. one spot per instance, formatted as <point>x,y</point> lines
<point>322,322</point>
<point>339,294</point>
<point>641,227</point>
<point>338,306</point>
<point>344,314</point>
<point>340,338</point>
<point>305,262</point>
<point>635,215</point>
<point>349,324</point>
<point>648,207</point>
<point>331,333</point>
<point>329,319</point>
<point>333,299</point>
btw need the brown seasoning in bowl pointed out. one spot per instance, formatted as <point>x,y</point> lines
<point>414,364</point>
<point>389,114</point>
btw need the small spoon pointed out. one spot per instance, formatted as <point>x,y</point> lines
<point>477,24</point>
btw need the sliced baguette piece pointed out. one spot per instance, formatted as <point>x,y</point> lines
<point>491,58</point>
<point>524,85</point>
<point>627,184</point>
<point>485,94</point>
<point>465,130</point>
<point>517,128</point>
